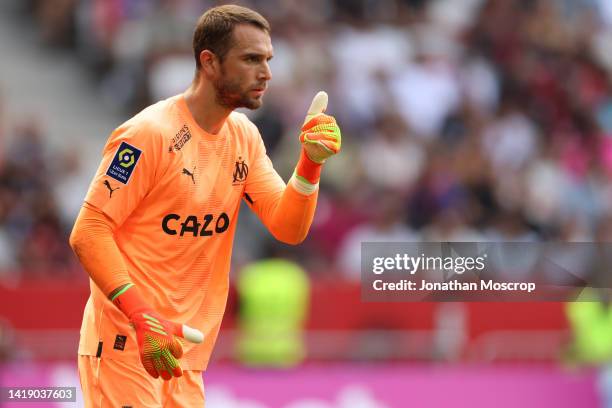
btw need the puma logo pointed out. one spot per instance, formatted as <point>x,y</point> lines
<point>110,189</point>
<point>188,173</point>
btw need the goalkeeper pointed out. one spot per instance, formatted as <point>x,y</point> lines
<point>155,232</point>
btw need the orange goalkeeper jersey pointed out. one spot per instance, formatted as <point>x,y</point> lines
<point>173,192</point>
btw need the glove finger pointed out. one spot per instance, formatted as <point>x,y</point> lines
<point>160,366</point>
<point>176,348</point>
<point>319,119</point>
<point>319,150</point>
<point>192,335</point>
<point>316,137</point>
<point>331,145</point>
<point>318,105</point>
<point>176,369</point>
<point>149,367</point>
<point>188,333</point>
<point>166,375</point>
<point>171,365</point>
<point>162,369</point>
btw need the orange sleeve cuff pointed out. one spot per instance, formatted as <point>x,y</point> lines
<point>293,216</point>
<point>93,243</point>
<point>307,169</point>
<point>130,301</point>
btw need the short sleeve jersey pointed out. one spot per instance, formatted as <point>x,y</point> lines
<point>173,192</point>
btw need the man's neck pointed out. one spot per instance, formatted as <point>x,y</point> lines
<point>200,99</point>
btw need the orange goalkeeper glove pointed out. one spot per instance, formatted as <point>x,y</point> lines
<point>320,138</point>
<point>157,339</point>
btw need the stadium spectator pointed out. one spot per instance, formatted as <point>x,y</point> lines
<point>473,109</point>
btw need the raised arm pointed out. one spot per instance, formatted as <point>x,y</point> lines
<point>288,212</point>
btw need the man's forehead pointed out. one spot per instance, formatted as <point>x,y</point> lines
<point>246,37</point>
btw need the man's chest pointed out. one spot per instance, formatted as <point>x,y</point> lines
<point>202,179</point>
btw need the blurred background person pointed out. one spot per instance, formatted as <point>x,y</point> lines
<point>273,296</point>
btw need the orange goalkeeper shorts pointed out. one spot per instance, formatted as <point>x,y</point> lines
<point>117,384</point>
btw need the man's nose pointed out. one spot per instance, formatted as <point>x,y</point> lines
<point>266,72</point>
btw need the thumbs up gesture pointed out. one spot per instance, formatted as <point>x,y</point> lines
<point>320,137</point>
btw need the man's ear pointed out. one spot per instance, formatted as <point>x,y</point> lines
<point>209,62</point>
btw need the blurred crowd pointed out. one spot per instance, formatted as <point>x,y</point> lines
<point>34,217</point>
<point>462,120</point>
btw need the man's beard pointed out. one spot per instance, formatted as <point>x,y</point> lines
<point>229,94</point>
